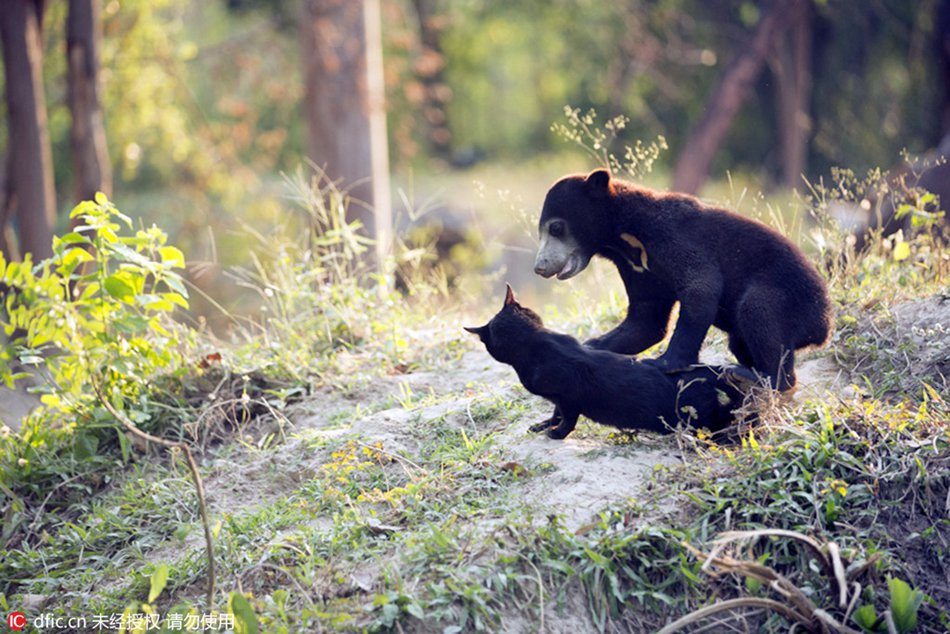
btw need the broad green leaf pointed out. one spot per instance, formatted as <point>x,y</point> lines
<point>131,255</point>
<point>390,613</point>
<point>117,287</point>
<point>905,602</point>
<point>76,256</point>
<point>107,234</point>
<point>245,621</point>
<point>74,237</point>
<point>174,282</point>
<point>176,298</point>
<point>125,446</point>
<point>154,303</point>
<point>89,290</point>
<point>83,208</point>
<point>173,257</point>
<point>866,618</point>
<point>901,251</point>
<point>85,446</point>
<point>599,560</point>
<point>158,581</point>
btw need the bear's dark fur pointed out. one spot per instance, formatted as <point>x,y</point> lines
<point>606,387</point>
<point>724,269</point>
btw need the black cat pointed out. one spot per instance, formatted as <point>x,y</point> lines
<point>607,387</point>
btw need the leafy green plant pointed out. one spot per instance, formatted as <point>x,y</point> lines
<point>93,317</point>
<point>901,616</point>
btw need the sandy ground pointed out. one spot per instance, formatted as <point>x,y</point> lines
<point>583,473</point>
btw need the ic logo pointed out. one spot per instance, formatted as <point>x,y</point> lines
<point>16,621</point>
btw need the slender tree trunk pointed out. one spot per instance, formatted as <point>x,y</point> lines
<point>942,42</point>
<point>429,68</point>
<point>344,106</point>
<point>91,169</point>
<point>791,66</point>
<point>692,168</point>
<point>31,163</point>
<point>8,241</point>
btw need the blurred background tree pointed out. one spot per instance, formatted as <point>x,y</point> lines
<point>92,171</point>
<point>204,103</point>
<point>28,197</point>
<point>344,106</point>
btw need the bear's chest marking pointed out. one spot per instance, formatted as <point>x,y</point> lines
<point>637,247</point>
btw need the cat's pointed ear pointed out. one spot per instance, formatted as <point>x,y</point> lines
<point>509,295</point>
<point>480,330</point>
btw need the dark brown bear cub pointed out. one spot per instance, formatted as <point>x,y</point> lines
<point>606,387</point>
<point>724,270</point>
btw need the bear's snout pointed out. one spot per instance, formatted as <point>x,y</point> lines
<point>542,270</point>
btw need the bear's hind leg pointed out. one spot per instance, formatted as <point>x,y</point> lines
<point>759,327</point>
<point>740,350</point>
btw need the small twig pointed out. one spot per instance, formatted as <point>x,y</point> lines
<point>192,466</point>
<point>835,555</point>
<point>855,595</point>
<point>830,621</point>
<point>540,594</point>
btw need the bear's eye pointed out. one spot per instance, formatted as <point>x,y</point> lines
<point>556,229</point>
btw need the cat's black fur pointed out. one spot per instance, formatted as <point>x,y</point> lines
<point>604,386</point>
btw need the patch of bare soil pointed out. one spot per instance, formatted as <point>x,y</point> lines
<point>924,559</point>
<point>819,376</point>
<point>923,327</point>
<point>581,476</point>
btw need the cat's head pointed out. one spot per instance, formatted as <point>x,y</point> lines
<point>508,329</point>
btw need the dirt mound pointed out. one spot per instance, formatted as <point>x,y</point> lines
<point>922,328</point>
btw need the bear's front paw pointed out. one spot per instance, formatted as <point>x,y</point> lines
<point>741,376</point>
<point>557,433</point>
<point>543,425</point>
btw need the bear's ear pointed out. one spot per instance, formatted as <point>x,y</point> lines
<point>598,182</point>
<point>509,296</point>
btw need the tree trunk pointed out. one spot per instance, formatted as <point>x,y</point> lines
<point>942,37</point>
<point>692,168</point>
<point>791,66</point>
<point>429,68</point>
<point>344,106</point>
<point>30,183</point>
<point>8,241</point>
<point>91,169</point>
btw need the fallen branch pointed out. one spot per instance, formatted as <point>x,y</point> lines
<point>797,607</point>
<point>133,429</point>
<point>730,605</point>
